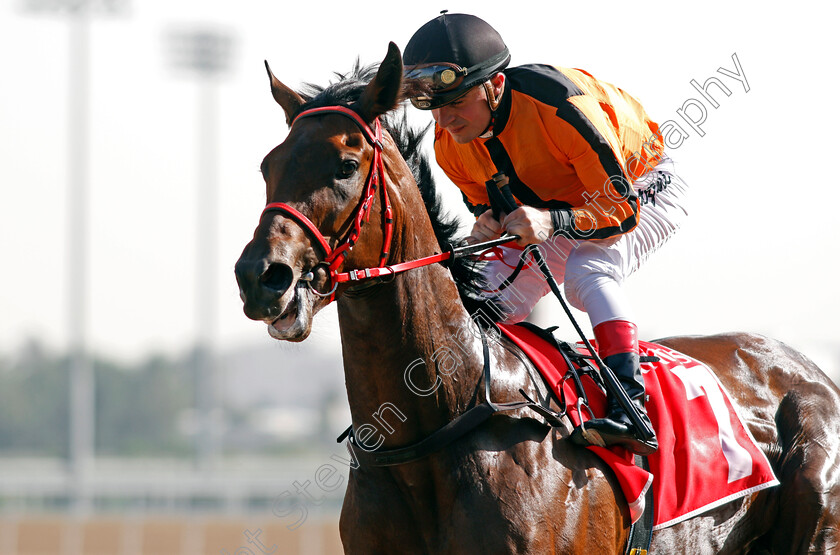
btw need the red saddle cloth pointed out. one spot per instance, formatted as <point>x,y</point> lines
<point>706,456</point>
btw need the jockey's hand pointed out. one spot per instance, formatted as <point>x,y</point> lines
<point>486,228</point>
<point>533,225</point>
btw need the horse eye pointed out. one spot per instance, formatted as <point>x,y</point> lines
<point>348,168</point>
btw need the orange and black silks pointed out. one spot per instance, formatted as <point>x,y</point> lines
<point>566,141</point>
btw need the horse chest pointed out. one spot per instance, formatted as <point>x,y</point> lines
<point>487,505</point>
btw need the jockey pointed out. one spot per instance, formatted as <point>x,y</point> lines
<point>587,168</point>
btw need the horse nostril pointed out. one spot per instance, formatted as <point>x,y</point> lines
<point>277,277</point>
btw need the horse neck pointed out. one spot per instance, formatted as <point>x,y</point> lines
<point>411,358</point>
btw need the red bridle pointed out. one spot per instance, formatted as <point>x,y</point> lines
<point>334,257</point>
<point>376,176</point>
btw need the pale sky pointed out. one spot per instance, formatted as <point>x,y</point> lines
<point>759,252</point>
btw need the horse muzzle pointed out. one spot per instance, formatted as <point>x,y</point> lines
<point>272,292</point>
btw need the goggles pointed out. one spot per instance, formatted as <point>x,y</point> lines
<point>440,77</point>
<point>446,81</point>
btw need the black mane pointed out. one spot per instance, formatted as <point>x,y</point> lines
<point>465,272</point>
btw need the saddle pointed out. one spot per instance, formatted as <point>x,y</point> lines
<point>706,456</point>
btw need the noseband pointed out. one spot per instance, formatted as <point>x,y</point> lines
<point>335,257</point>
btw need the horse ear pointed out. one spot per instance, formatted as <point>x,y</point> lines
<point>288,99</point>
<point>383,93</point>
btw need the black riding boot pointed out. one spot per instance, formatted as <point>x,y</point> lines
<point>617,428</point>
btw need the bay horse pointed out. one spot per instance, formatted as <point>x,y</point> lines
<point>513,484</point>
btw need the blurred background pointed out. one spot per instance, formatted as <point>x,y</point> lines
<point>141,412</point>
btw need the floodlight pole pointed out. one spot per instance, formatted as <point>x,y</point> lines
<point>205,53</point>
<point>82,404</point>
<point>82,417</point>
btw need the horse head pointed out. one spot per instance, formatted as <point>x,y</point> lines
<point>321,187</point>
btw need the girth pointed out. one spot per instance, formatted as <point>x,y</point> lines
<point>452,431</point>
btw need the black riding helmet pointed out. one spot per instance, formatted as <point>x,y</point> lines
<point>451,54</point>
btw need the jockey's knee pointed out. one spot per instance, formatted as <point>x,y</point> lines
<point>583,290</point>
<point>587,268</point>
<point>596,288</point>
